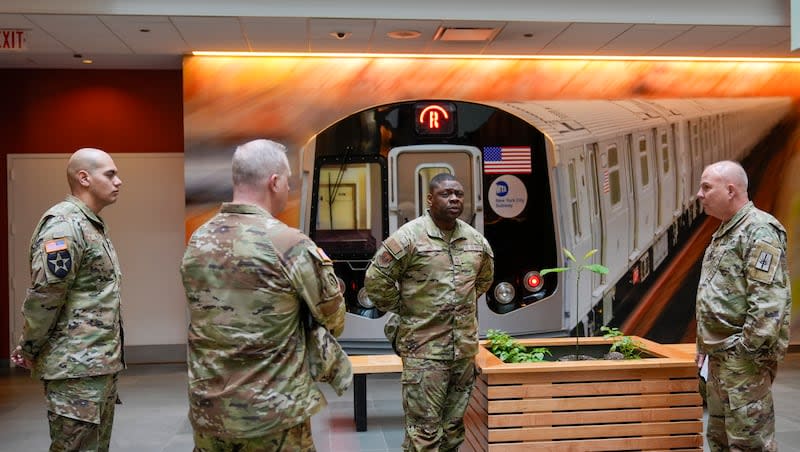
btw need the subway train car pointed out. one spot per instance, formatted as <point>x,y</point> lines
<point>617,176</point>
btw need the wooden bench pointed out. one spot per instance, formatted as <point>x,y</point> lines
<point>364,365</point>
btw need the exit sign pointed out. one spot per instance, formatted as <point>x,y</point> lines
<point>13,40</point>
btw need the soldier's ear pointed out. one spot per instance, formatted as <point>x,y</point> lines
<point>272,183</point>
<point>83,178</point>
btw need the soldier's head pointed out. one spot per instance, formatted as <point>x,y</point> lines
<point>723,189</point>
<point>93,178</point>
<point>261,174</point>
<point>446,200</point>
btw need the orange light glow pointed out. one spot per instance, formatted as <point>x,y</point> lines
<point>731,59</point>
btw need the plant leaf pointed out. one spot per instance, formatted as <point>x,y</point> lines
<point>569,255</point>
<point>545,271</point>
<point>597,268</point>
<point>589,254</point>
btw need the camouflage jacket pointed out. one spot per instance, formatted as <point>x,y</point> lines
<point>433,286</point>
<point>744,296</point>
<point>72,311</point>
<point>248,279</point>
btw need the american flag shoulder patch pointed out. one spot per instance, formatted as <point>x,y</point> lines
<point>51,246</point>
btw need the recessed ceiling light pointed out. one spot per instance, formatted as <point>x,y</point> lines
<point>340,35</point>
<point>87,61</point>
<point>404,34</point>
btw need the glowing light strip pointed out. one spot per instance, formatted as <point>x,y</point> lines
<point>501,57</point>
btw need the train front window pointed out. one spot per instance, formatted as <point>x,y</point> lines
<point>348,221</point>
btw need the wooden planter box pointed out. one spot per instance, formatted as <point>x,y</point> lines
<point>643,404</point>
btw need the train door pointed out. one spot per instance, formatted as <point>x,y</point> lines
<point>616,212</point>
<point>412,167</point>
<point>595,219</point>
<point>643,193</point>
<point>696,151</point>
<point>577,238</point>
<point>665,168</point>
<point>683,161</point>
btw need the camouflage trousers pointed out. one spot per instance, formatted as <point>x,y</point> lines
<point>295,439</point>
<point>435,397</point>
<point>81,412</point>
<point>741,415</point>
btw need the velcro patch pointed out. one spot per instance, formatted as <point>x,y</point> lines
<point>384,258</point>
<point>394,247</point>
<point>51,246</point>
<point>763,262</point>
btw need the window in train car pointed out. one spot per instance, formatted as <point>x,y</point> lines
<point>664,153</point>
<point>596,190</point>
<point>425,173</point>
<point>349,214</point>
<point>644,162</point>
<point>573,199</point>
<point>613,175</point>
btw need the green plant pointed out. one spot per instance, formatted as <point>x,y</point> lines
<point>630,348</point>
<point>577,268</point>
<point>509,350</point>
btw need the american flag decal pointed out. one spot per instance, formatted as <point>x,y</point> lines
<point>507,160</point>
<point>606,183</point>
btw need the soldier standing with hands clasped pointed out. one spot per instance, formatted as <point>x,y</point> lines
<point>430,273</point>
<point>743,307</point>
<point>249,280</point>
<point>72,336</point>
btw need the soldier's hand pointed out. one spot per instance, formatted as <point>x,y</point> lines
<point>19,360</point>
<point>699,358</point>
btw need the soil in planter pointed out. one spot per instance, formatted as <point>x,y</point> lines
<point>567,352</point>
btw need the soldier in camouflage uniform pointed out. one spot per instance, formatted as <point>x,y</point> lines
<point>431,273</point>
<point>249,280</point>
<point>72,336</point>
<point>743,307</point>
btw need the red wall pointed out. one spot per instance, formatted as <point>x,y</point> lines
<point>60,111</point>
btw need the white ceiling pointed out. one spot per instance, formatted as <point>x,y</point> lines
<point>129,34</point>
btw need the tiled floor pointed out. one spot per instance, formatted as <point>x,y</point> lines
<point>153,416</point>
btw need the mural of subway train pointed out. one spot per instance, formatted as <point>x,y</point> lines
<point>617,176</point>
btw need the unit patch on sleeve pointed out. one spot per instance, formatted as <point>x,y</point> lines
<point>390,251</point>
<point>763,262</point>
<point>59,261</point>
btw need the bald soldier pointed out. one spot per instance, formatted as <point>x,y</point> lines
<point>430,273</point>
<point>72,336</point>
<point>743,306</point>
<point>249,280</point>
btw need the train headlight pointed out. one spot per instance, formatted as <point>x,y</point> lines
<point>504,293</point>
<point>364,300</point>
<point>533,281</point>
<point>342,285</point>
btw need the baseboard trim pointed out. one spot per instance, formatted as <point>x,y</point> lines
<point>155,354</point>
